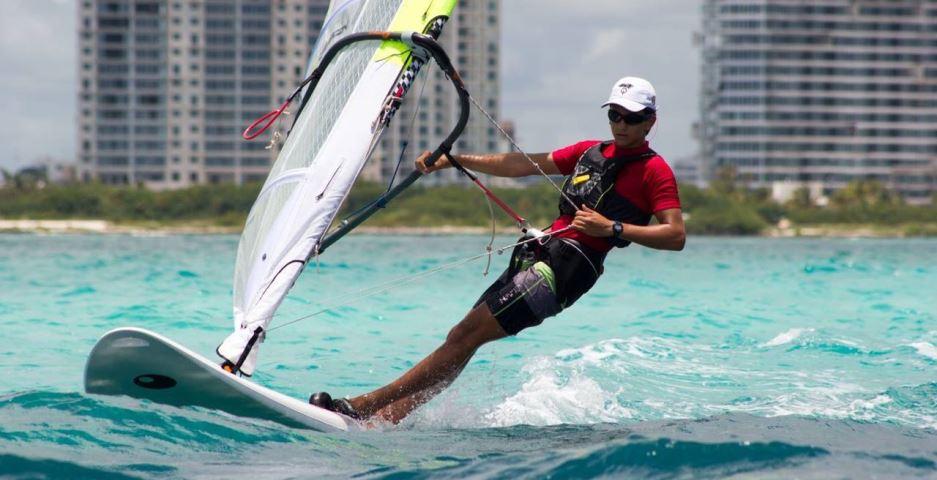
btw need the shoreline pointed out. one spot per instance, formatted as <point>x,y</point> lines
<point>104,227</point>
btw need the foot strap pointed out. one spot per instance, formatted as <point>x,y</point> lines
<point>342,405</point>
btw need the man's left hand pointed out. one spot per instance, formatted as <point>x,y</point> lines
<point>592,223</point>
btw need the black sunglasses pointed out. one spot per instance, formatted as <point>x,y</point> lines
<point>631,118</point>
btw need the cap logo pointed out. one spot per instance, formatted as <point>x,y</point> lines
<point>625,87</point>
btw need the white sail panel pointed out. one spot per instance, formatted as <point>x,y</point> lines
<point>307,136</point>
<point>323,155</point>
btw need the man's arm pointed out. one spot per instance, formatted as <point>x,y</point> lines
<point>498,164</point>
<point>669,234</point>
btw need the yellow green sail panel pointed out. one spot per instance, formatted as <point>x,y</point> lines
<point>412,16</point>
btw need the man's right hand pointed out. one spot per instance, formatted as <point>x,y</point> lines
<point>440,164</point>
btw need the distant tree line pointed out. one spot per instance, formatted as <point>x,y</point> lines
<point>224,204</point>
<point>721,209</point>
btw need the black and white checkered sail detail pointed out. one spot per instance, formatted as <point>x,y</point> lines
<point>394,100</point>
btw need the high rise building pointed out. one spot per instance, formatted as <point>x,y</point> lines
<point>829,91</point>
<point>167,86</point>
<point>687,170</point>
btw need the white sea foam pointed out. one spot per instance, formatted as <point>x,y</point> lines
<point>862,408</point>
<point>641,378</point>
<point>449,410</point>
<point>607,382</point>
<point>926,349</point>
<point>549,399</point>
<point>819,395</point>
<point>561,388</point>
<point>787,337</point>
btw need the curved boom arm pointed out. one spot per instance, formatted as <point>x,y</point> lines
<point>417,41</point>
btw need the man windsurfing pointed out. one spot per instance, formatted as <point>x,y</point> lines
<point>613,190</point>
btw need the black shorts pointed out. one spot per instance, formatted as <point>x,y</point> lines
<point>540,282</point>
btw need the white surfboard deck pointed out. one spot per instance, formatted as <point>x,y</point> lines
<point>142,364</point>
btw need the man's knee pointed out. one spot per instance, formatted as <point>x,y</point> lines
<point>476,329</point>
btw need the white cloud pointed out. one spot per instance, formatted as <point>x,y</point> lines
<point>561,57</point>
<point>38,83</point>
<point>605,44</point>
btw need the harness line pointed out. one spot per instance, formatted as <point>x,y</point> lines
<point>407,279</point>
<point>519,149</point>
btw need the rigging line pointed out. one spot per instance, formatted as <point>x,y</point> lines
<point>260,125</point>
<point>392,55</point>
<point>393,178</point>
<point>407,279</point>
<point>491,212</point>
<point>380,288</point>
<point>519,149</point>
<point>416,113</point>
<point>522,223</point>
<point>428,8</point>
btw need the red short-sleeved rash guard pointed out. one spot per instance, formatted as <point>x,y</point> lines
<point>648,184</point>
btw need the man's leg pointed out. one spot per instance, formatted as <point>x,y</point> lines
<point>397,411</point>
<point>434,372</point>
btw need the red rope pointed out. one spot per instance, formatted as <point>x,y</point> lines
<point>517,218</point>
<point>272,116</point>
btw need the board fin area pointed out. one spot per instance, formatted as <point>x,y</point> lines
<point>141,364</point>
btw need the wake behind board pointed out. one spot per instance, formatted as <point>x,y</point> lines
<point>142,364</point>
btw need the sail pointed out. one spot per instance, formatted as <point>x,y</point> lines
<point>326,149</point>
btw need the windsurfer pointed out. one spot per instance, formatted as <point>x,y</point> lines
<point>544,278</point>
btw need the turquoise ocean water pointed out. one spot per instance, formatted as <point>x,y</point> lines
<point>750,358</point>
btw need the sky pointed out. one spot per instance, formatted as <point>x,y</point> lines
<point>560,59</point>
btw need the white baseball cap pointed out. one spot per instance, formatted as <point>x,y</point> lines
<point>633,94</point>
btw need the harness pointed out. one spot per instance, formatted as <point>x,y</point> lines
<point>593,183</point>
<point>575,267</point>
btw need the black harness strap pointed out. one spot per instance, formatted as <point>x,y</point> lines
<point>593,183</point>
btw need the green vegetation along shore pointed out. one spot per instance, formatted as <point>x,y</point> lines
<point>863,208</point>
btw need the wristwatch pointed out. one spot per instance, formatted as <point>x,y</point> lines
<point>616,230</point>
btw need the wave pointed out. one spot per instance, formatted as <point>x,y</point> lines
<point>713,447</point>
<point>648,378</point>
<point>662,458</point>
<point>57,418</point>
<point>16,466</point>
<point>52,434</point>
<point>787,337</point>
<point>925,349</point>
